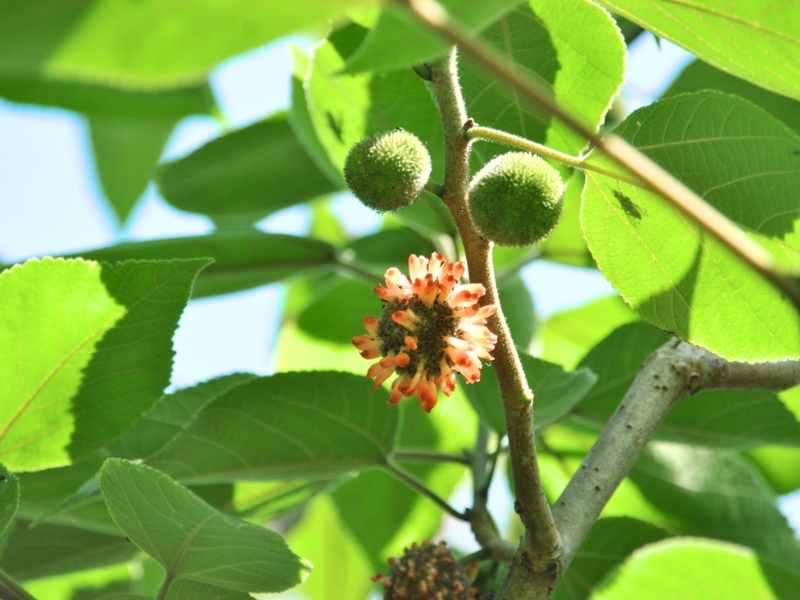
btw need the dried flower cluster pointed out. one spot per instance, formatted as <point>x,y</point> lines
<point>431,326</point>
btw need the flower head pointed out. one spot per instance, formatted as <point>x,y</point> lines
<point>431,326</point>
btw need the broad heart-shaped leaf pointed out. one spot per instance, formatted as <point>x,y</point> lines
<point>243,258</point>
<point>571,46</point>
<point>253,171</point>
<point>347,108</point>
<point>191,539</point>
<point>699,75</point>
<point>47,549</point>
<point>285,426</point>
<point>699,569</point>
<point>148,44</point>
<point>125,153</point>
<point>719,418</point>
<point>85,348</point>
<point>742,161</point>
<point>715,494</point>
<point>555,392</point>
<point>609,542</point>
<point>717,31</point>
<point>170,415</point>
<point>399,40</point>
<point>9,497</point>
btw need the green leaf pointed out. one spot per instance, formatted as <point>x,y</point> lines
<point>555,392</point>
<point>191,539</point>
<point>565,244</point>
<point>698,569</point>
<point>49,549</point>
<point>779,465</point>
<point>608,544</point>
<point>100,41</point>
<point>573,47</point>
<point>345,108</point>
<point>125,153</point>
<point>254,171</point>
<point>183,589</point>
<point>719,418</point>
<point>518,310</point>
<point>170,415</point>
<point>390,248</point>
<point>699,75</point>
<point>9,497</point>
<point>285,426</point>
<point>672,273</point>
<point>715,494</point>
<point>243,259</point>
<point>89,349</point>
<point>399,40</point>
<point>718,31</point>
<point>570,334</point>
<point>337,313</point>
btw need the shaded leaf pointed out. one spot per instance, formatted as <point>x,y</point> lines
<point>97,41</point>
<point>254,171</point>
<point>742,161</point>
<point>565,244</point>
<point>243,259</point>
<point>390,248</point>
<point>183,589</point>
<point>285,426</point>
<point>609,542</point>
<point>337,313</point>
<point>193,540</point>
<point>555,392</point>
<point>717,31</point>
<point>398,40</point>
<point>697,569</point>
<point>573,47</point>
<point>49,549</point>
<point>716,494</point>
<point>518,310</point>
<point>88,347</point>
<point>9,497</point>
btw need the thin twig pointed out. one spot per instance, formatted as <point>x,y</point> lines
<point>13,590</point>
<point>432,14</point>
<point>423,489</point>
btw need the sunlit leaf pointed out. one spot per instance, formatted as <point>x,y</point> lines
<point>193,540</point>
<point>742,161</point>
<point>84,349</point>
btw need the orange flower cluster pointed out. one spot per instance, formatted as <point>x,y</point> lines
<point>431,326</point>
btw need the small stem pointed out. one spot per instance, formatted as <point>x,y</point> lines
<point>12,587</point>
<point>364,271</point>
<point>423,489</point>
<point>437,189</point>
<point>515,141</point>
<point>434,457</point>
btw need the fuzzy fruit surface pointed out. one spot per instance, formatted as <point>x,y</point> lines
<point>386,171</point>
<point>516,199</point>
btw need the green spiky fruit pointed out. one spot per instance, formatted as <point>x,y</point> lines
<point>386,171</point>
<point>424,572</point>
<point>516,199</point>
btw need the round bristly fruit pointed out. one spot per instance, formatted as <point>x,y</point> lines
<point>426,571</point>
<point>386,171</point>
<point>515,199</point>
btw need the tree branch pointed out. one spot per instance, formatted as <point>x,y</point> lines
<point>432,14</point>
<point>535,565</point>
<point>672,372</point>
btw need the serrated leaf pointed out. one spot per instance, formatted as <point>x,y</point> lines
<point>193,540</point>
<point>254,171</point>
<point>84,349</point>
<point>170,415</point>
<point>609,542</point>
<point>288,425</point>
<point>183,589</point>
<point>9,497</point>
<point>742,161</point>
<point>718,31</point>
<point>94,40</point>
<point>698,569</point>
<point>573,47</point>
<point>555,392</point>
<point>49,549</point>
<point>715,494</point>
<point>699,75</point>
<point>243,259</point>
<point>398,40</point>
<point>345,108</point>
<point>717,418</point>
